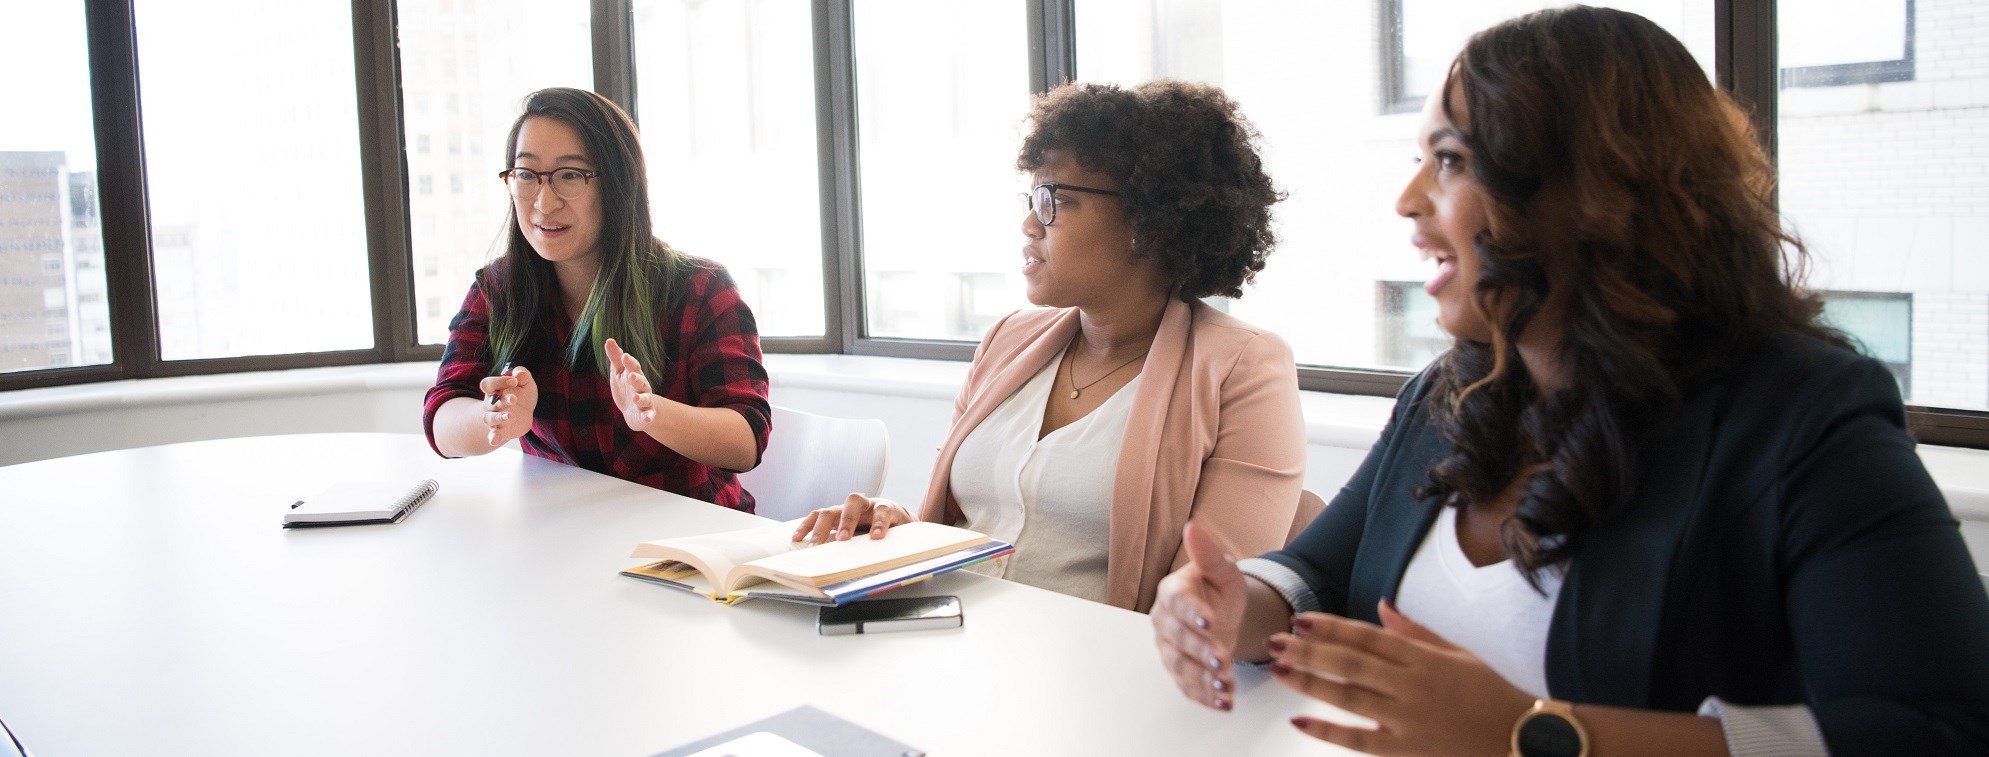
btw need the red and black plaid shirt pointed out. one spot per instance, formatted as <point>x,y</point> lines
<point>712,359</point>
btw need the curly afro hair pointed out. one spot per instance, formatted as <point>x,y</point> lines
<point>1188,171</point>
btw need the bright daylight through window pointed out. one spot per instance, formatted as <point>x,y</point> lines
<point>53,311</point>
<point>462,77</point>
<point>252,169</point>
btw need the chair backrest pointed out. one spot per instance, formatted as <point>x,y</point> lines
<point>1309,506</point>
<point>815,461</point>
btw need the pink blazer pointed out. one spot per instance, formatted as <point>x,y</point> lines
<point>1215,435</point>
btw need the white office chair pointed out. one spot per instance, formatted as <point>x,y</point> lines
<point>1310,504</point>
<point>815,461</point>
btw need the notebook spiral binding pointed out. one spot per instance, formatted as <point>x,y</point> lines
<point>421,494</point>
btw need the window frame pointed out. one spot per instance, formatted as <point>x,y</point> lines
<point>1869,72</point>
<point>1745,65</point>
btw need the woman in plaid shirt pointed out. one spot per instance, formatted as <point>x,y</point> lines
<point>583,283</point>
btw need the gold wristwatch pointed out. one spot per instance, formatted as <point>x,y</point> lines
<point>1549,729</point>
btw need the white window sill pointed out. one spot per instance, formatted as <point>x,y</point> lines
<point>220,387</point>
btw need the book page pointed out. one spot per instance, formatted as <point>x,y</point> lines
<point>719,554</point>
<point>825,564</point>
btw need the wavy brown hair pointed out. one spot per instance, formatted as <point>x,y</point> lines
<point>1612,162</point>
<point>1189,174</point>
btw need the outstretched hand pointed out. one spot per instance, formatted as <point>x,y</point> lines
<point>1425,694</point>
<point>1196,619</point>
<point>512,396</point>
<point>630,388</point>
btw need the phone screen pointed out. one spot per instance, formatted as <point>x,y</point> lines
<point>895,614</point>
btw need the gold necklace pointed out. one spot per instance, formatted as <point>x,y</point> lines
<point>1070,371</point>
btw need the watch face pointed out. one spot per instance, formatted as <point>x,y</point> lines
<point>1546,734</point>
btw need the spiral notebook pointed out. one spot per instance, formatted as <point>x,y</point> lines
<point>351,504</point>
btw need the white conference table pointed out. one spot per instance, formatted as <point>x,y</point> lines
<point>151,604</point>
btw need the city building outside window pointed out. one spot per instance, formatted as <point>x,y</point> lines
<point>496,52</point>
<point>53,313</point>
<point>1883,179</point>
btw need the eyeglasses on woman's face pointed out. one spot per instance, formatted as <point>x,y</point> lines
<point>1043,199</point>
<point>567,182</point>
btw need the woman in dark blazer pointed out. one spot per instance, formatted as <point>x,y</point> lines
<point>1647,503</point>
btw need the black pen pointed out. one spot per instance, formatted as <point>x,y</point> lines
<point>491,399</point>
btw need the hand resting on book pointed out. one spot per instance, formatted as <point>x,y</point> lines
<point>840,522</point>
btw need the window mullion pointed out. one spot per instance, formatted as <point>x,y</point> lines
<point>121,188</point>
<point>383,172</point>
<point>836,151</point>
<point>1745,59</point>
<point>614,53</point>
<point>1052,43</point>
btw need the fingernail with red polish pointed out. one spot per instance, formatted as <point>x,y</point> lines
<point>1302,623</point>
<point>1213,661</point>
<point>1201,622</point>
<point>1221,685</point>
<point>1222,704</point>
<point>1298,723</point>
<point>1277,646</point>
<point>1280,669</point>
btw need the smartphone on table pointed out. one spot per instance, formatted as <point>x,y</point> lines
<point>894,614</point>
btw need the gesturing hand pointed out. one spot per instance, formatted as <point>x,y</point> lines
<point>508,411</point>
<point>630,388</point>
<point>840,522</point>
<point>1195,620</point>
<point>1426,695</point>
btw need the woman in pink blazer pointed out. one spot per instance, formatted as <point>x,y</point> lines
<point>1090,430</point>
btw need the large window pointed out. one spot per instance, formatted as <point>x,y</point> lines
<point>1884,181</point>
<point>194,186</point>
<point>465,66</point>
<point>941,89</point>
<point>1420,37</point>
<point>258,221</point>
<point>1331,288</point>
<point>727,98</point>
<point>53,313</point>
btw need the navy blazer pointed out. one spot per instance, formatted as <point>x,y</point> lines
<point>1784,545</point>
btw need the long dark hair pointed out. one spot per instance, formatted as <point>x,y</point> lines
<point>1611,160</point>
<point>633,287</point>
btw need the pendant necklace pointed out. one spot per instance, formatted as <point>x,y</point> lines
<point>1070,370</point>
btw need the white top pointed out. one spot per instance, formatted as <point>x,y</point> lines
<point>1050,497</point>
<point>1488,610</point>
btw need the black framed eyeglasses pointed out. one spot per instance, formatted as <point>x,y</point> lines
<point>1043,199</point>
<point>567,182</point>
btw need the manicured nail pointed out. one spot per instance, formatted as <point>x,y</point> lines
<point>1221,685</point>
<point>1302,623</point>
<point>1201,622</point>
<point>1280,669</point>
<point>1276,645</point>
<point>1222,704</point>
<point>1214,662</point>
<point>1298,722</point>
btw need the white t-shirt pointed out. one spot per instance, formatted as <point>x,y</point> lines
<point>1051,498</point>
<point>1488,610</point>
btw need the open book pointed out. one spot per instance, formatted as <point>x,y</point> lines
<point>764,562</point>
